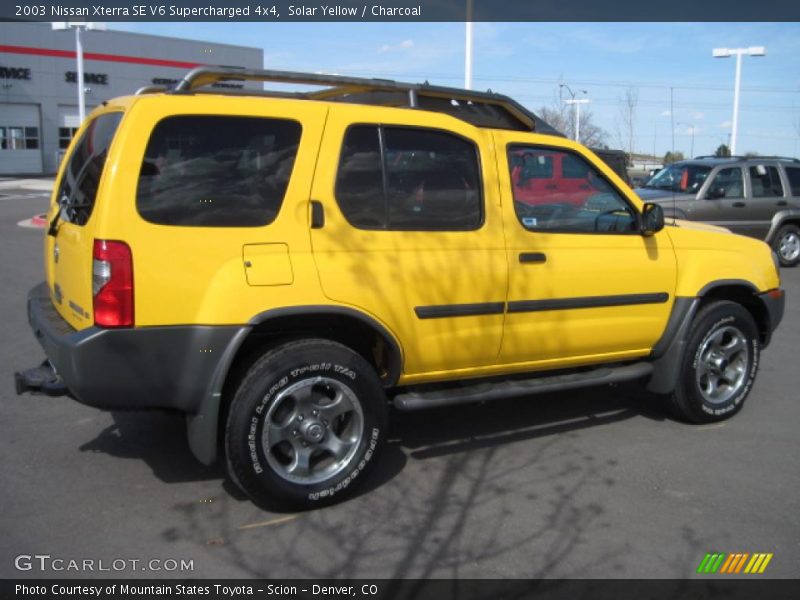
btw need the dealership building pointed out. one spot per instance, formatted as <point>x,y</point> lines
<point>38,82</point>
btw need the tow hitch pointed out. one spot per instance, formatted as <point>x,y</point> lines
<point>40,379</point>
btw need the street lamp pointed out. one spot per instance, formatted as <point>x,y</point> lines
<point>737,52</point>
<point>577,103</point>
<point>468,48</point>
<point>64,26</point>
<point>691,127</point>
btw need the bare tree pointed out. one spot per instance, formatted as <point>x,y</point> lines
<point>626,126</point>
<point>562,116</point>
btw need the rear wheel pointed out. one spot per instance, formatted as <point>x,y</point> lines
<point>719,365</point>
<point>787,245</point>
<point>305,425</point>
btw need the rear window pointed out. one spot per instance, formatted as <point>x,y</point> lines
<point>217,171</point>
<point>77,190</point>
<point>793,173</point>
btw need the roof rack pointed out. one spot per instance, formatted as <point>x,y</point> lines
<point>483,109</point>
<point>736,157</point>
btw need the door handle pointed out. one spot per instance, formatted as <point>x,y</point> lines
<point>317,215</point>
<point>738,204</point>
<point>550,186</point>
<point>532,257</point>
<point>782,203</point>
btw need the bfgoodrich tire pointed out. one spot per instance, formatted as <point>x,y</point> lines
<point>719,365</point>
<point>305,425</point>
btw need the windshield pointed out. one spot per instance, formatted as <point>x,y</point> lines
<point>679,178</point>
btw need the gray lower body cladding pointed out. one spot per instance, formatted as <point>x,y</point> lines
<point>140,367</point>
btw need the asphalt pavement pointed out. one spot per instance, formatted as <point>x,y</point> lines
<point>597,483</point>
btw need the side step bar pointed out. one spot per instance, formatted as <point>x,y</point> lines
<point>481,392</point>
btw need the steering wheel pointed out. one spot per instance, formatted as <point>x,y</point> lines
<point>604,213</point>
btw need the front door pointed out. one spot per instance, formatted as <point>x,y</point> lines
<point>584,283</point>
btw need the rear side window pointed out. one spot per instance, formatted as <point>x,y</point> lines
<point>77,190</point>
<point>409,179</point>
<point>793,173</point>
<point>214,171</point>
<point>765,181</point>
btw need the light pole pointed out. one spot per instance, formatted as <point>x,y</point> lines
<point>468,48</point>
<point>63,26</point>
<point>577,103</point>
<point>691,128</point>
<point>737,52</point>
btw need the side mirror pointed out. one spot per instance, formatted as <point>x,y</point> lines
<point>715,193</point>
<point>652,218</point>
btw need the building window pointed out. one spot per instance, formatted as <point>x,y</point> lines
<point>19,138</point>
<point>65,135</point>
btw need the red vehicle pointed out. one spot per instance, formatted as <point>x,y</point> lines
<point>543,177</point>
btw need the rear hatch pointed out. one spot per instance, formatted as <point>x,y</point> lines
<point>70,239</point>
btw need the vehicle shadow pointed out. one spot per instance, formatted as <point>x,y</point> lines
<point>159,437</point>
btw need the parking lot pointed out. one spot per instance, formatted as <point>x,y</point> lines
<point>596,483</point>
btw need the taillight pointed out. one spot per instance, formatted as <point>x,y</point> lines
<point>112,284</point>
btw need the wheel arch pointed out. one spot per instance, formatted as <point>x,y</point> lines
<point>350,327</point>
<point>779,219</point>
<point>668,352</point>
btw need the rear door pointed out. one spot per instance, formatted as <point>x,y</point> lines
<point>413,232</point>
<point>68,252</point>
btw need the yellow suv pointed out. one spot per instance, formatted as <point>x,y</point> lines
<point>284,266</point>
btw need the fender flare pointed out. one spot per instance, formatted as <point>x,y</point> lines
<point>202,426</point>
<point>667,354</point>
<point>778,219</point>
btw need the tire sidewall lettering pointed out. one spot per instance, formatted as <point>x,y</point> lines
<point>258,416</point>
<point>734,403</point>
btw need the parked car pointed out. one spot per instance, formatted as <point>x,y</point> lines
<point>754,196</point>
<point>281,268</point>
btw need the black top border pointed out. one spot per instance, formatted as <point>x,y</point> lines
<point>400,10</point>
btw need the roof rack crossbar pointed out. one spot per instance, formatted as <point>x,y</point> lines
<point>341,86</point>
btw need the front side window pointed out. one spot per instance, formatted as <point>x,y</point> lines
<point>727,183</point>
<point>408,179</point>
<point>576,198</point>
<point>78,187</point>
<point>215,171</point>
<point>765,182</point>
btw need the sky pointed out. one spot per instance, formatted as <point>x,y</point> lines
<point>528,60</point>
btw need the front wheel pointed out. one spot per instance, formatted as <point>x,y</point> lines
<point>305,425</point>
<point>787,245</point>
<point>719,365</point>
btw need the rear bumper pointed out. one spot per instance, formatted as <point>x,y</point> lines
<point>140,367</point>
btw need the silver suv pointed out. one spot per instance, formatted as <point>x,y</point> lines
<point>755,196</point>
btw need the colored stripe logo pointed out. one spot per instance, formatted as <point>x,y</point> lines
<point>737,562</point>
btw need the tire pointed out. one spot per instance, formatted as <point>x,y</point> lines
<point>719,364</point>
<point>305,425</point>
<point>787,245</point>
